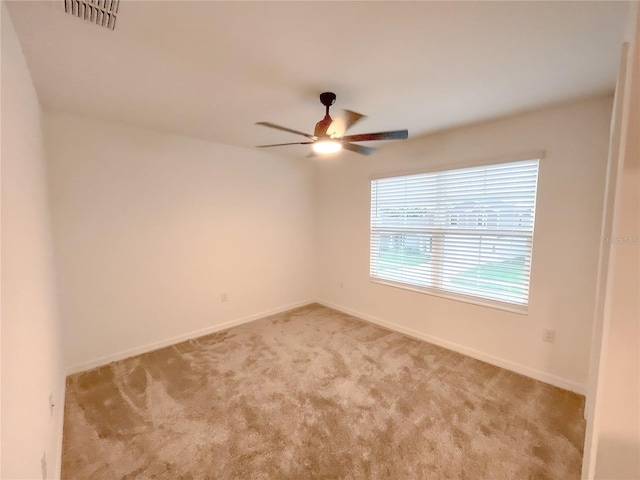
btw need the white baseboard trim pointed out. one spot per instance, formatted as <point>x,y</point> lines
<point>99,362</point>
<point>478,355</point>
<point>60,402</point>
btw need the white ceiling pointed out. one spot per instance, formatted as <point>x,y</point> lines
<point>213,69</point>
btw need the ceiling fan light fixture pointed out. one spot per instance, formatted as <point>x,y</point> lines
<point>329,136</point>
<point>327,146</point>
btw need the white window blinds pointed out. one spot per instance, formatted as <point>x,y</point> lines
<point>466,231</point>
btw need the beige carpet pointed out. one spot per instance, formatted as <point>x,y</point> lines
<point>316,394</point>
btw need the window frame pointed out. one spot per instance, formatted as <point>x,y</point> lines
<point>439,291</point>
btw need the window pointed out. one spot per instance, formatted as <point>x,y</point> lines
<point>465,232</point>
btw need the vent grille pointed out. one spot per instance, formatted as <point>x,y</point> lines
<point>100,12</point>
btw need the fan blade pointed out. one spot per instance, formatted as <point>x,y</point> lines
<point>358,148</point>
<point>282,144</point>
<point>351,118</point>
<point>363,137</point>
<point>341,124</point>
<point>322,126</point>
<point>336,129</point>
<point>285,129</point>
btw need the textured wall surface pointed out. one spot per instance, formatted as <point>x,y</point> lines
<point>32,366</point>
<point>151,229</point>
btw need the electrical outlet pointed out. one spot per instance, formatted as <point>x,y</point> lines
<point>43,465</point>
<point>224,297</point>
<point>548,335</point>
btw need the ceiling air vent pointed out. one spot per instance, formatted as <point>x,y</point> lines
<point>100,12</point>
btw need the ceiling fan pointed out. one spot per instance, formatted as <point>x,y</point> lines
<point>326,137</point>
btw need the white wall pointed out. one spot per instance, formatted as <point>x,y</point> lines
<point>612,449</point>
<point>566,243</point>
<point>31,346</point>
<point>150,229</point>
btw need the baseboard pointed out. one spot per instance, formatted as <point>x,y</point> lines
<point>478,355</point>
<point>57,467</point>
<point>180,338</point>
